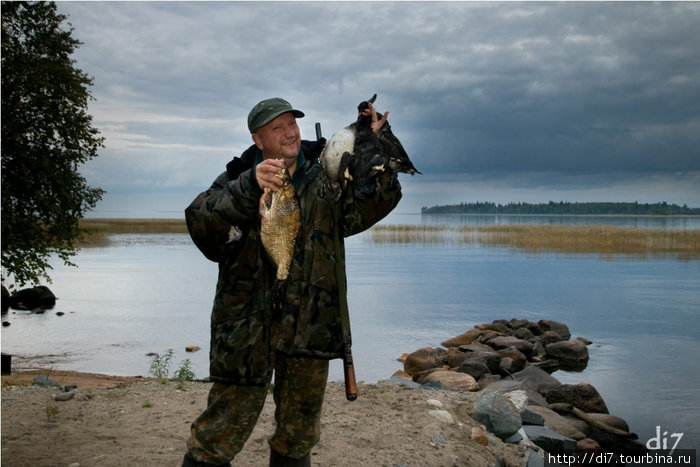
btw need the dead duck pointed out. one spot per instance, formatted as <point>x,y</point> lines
<point>357,154</point>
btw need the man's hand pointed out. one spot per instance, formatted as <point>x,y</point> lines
<point>267,174</point>
<point>377,123</point>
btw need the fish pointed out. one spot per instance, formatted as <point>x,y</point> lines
<point>280,222</point>
<point>356,153</point>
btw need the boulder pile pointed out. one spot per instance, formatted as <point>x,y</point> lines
<point>510,365</point>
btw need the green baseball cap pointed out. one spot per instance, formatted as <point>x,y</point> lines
<point>269,109</point>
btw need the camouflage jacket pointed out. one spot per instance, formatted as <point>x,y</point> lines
<point>224,223</point>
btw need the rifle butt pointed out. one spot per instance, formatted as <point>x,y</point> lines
<point>349,371</point>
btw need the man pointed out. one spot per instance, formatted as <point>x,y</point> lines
<point>259,325</point>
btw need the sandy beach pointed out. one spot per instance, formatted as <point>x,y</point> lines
<point>117,421</point>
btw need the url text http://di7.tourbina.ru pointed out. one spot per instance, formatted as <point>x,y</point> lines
<point>663,449</point>
<point>651,458</point>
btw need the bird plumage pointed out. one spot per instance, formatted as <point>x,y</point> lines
<point>357,154</point>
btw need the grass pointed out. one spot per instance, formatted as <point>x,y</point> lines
<point>593,239</point>
<point>99,230</point>
<point>535,238</point>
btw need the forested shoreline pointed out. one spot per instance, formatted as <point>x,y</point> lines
<point>578,208</point>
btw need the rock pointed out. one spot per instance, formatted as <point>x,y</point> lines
<point>549,366</point>
<point>64,396</point>
<point>463,339</point>
<point>549,337</point>
<point>523,333</point>
<point>423,359</point>
<point>537,348</point>
<point>584,340</point>
<point>534,459</point>
<point>45,382</point>
<point>503,342</point>
<point>479,436</point>
<point>560,328</point>
<point>548,439</point>
<point>536,378</point>
<point>516,324</point>
<point>484,354</point>
<point>498,414</point>
<point>534,328</point>
<point>610,420</point>
<point>556,422</point>
<point>434,403</point>
<point>487,335</point>
<point>577,423</point>
<point>515,438</point>
<point>402,375</point>
<point>519,398</point>
<point>442,415</point>
<point>454,357</point>
<point>498,326</point>
<point>587,444</point>
<point>531,418</point>
<point>603,437</point>
<point>473,367</point>
<point>450,380</point>
<point>440,438</point>
<point>582,396</point>
<point>512,361</point>
<point>506,386</point>
<point>572,355</point>
<point>404,379</point>
<point>488,379</point>
<point>33,298</point>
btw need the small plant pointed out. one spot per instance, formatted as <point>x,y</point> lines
<point>147,405</point>
<point>51,412</point>
<point>160,365</point>
<point>185,372</point>
<point>160,368</point>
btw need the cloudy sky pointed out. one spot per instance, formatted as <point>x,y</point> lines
<point>493,101</point>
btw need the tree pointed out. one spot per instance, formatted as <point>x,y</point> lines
<point>46,135</point>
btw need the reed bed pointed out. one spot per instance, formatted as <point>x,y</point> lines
<point>98,231</point>
<point>588,239</point>
<point>409,233</point>
<point>593,239</point>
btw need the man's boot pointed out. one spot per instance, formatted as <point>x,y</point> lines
<point>190,461</point>
<point>278,460</point>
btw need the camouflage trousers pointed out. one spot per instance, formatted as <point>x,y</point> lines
<point>220,432</point>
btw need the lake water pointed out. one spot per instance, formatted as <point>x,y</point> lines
<point>149,293</point>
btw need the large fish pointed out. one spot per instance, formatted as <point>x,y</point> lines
<point>280,221</point>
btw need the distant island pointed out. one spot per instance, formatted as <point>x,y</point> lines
<point>605,208</point>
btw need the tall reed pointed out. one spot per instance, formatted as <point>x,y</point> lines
<point>593,239</point>
<point>97,231</point>
<point>535,238</point>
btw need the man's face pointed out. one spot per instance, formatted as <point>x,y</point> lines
<point>279,139</point>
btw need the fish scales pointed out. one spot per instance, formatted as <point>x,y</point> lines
<point>280,221</point>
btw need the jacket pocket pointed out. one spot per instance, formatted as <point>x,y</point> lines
<point>240,351</point>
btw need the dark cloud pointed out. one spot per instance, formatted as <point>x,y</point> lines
<point>477,87</point>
